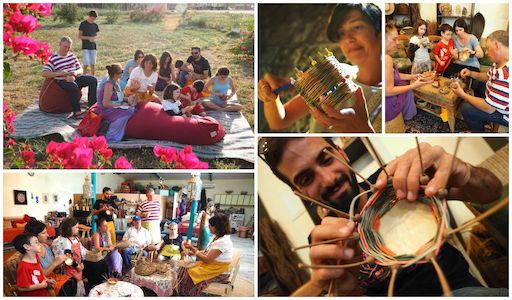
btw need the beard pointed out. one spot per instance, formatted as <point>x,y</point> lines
<point>343,201</point>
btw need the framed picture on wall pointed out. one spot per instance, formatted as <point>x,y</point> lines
<point>20,197</point>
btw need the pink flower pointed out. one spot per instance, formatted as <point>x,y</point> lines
<point>52,147</point>
<point>122,163</point>
<point>81,158</point>
<point>106,153</point>
<point>45,9</point>
<point>10,142</point>
<point>24,23</point>
<point>43,52</point>
<point>25,44</point>
<point>29,157</point>
<point>81,141</point>
<point>13,6</point>
<point>166,154</point>
<point>98,143</point>
<point>8,34</point>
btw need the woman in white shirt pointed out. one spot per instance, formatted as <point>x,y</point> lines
<point>143,80</point>
<point>214,261</point>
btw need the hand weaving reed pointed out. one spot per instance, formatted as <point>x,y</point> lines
<point>372,238</point>
<point>326,82</point>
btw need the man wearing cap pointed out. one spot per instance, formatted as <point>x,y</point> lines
<point>87,32</point>
<point>106,208</point>
<point>139,238</point>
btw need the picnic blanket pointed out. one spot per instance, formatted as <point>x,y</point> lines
<point>238,142</point>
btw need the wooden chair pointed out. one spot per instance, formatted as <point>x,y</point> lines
<point>10,267</point>
<point>226,288</point>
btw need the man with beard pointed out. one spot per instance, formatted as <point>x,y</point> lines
<point>303,165</point>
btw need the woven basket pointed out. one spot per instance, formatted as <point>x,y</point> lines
<point>94,256</point>
<point>144,267</point>
<point>124,244</point>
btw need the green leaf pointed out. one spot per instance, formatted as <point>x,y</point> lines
<point>7,70</point>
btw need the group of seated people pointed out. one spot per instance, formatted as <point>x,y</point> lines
<point>456,56</point>
<point>62,266</point>
<point>143,80</point>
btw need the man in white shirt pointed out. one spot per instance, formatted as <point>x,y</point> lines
<point>139,237</point>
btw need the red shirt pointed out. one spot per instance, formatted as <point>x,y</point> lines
<point>443,52</point>
<point>29,274</point>
<point>198,109</point>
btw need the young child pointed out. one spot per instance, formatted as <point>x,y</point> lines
<point>30,278</point>
<point>223,89</point>
<point>442,50</point>
<point>171,102</point>
<point>418,48</point>
<point>191,98</point>
<point>177,65</point>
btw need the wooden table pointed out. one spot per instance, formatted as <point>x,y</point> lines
<point>432,95</point>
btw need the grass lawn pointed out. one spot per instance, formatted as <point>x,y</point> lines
<point>117,43</point>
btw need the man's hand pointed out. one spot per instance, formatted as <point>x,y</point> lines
<point>59,260</point>
<point>330,228</point>
<point>50,283</point>
<point>465,73</point>
<point>70,78</point>
<point>406,171</point>
<point>442,63</point>
<point>354,119</point>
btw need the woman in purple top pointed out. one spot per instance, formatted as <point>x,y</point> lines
<point>111,105</point>
<point>399,96</point>
<point>165,73</point>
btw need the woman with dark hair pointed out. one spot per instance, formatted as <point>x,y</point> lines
<point>143,80</point>
<point>223,89</point>
<point>65,284</point>
<point>357,30</point>
<point>214,261</point>
<point>130,65</point>
<point>400,104</point>
<point>102,242</point>
<point>166,73</point>
<point>69,244</point>
<point>467,51</point>
<point>110,101</point>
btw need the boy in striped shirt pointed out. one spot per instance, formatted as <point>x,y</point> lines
<point>65,68</point>
<point>494,108</point>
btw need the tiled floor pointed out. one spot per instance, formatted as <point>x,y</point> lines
<point>244,283</point>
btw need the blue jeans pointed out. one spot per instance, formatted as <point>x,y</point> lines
<point>480,292</point>
<point>73,88</point>
<point>475,118</point>
<point>127,257</point>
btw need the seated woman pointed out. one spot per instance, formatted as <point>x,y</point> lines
<point>214,260</point>
<point>130,65</point>
<point>399,97</point>
<point>69,244</point>
<point>166,73</point>
<point>223,89</point>
<point>143,80</point>
<point>65,284</point>
<point>110,103</point>
<point>102,242</point>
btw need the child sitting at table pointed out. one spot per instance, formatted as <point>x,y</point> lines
<point>191,98</point>
<point>443,49</point>
<point>30,278</point>
<point>418,49</point>
<point>171,103</point>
